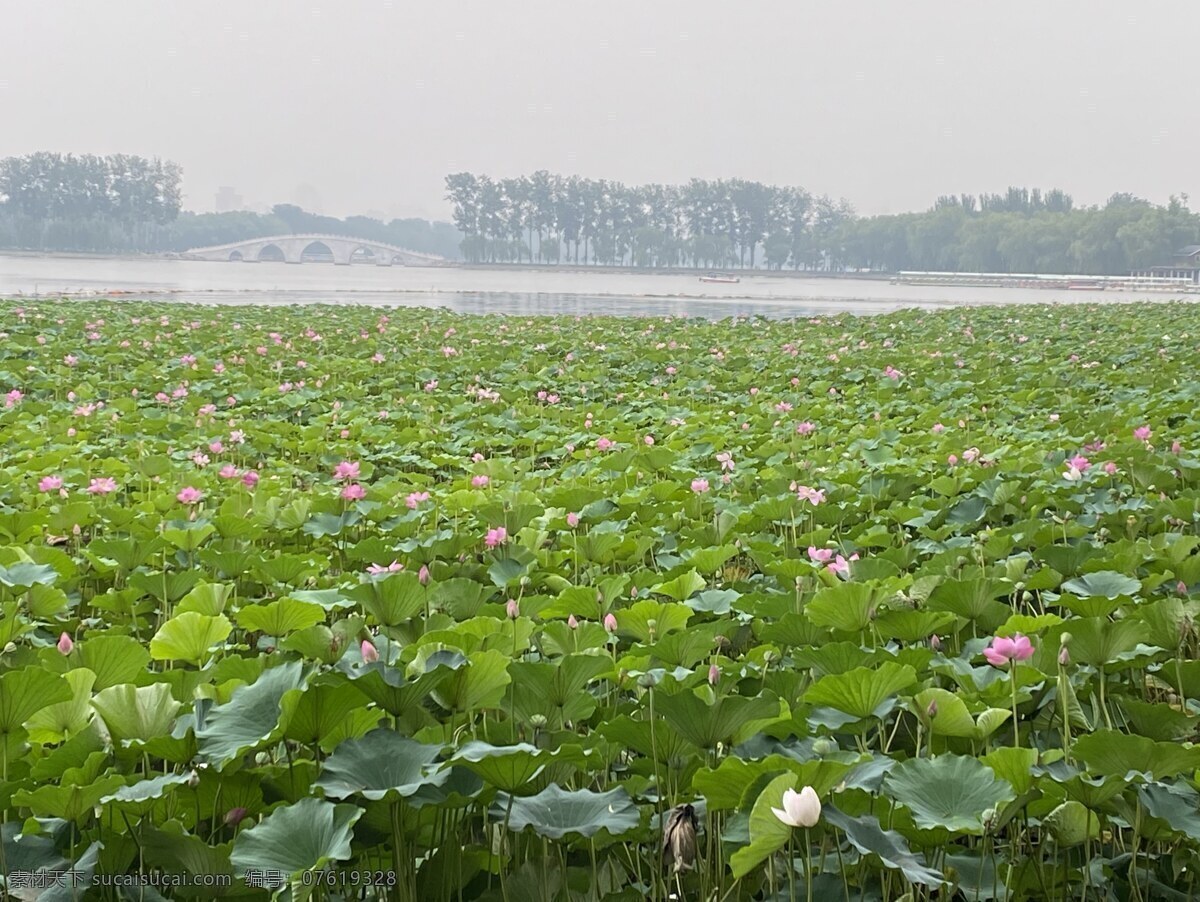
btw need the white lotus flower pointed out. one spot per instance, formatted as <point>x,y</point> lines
<point>800,809</point>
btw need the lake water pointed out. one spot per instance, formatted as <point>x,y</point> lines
<point>512,291</point>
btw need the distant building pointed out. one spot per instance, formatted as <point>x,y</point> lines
<point>1184,266</point>
<point>227,200</point>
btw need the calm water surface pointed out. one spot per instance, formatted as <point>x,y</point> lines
<point>512,291</point>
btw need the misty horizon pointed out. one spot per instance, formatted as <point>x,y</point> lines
<point>363,108</point>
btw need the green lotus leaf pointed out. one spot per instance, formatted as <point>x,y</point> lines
<point>382,764</point>
<point>707,724</point>
<point>293,839</point>
<point>251,717</point>
<point>137,713</point>
<point>866,835</point>
<point>112,659</point>
<point>1109,753</point>
<point>1103,584</point>
<point>25,692</point>
<point>279,618</point>
<point>861,691</point>
<point>189,637</point>
<point>950,792</point>
<point>556,813</point>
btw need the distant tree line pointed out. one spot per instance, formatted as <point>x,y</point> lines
<point>128,204</point>
<point>547,218</point>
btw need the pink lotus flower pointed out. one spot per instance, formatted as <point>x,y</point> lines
<point>1176,447</point>
<point>415,498</point>
<point>714,674</point>
<point>50,484</point>
<point>572,622</point>
<point>216,447</point>
<point>610,622</point>
<point>1080,463</point>
<point>572,519</point>
<point>512,609</point>
<point>1142,433</point>
<point>189,495</point>
<point>1110,468</point>
<point>480,481</point>
<point>805,428</point>
<point>347,469</point>
<point>820,555</point>
<point>65,644</point>
<point>13,398</point>
<point>603,444</point>
<point>104,485</point>
<point>250,479</point>
<point>494,537</point>
<point>370,654</point>
<point>423,575</point>
<point>393,567</point>
<point>809,494</point>
<point>971,455</point>
<point>952,460</point>
<point>354,492</point>
<point>938,429</point>
<point>841,564</point>
<point>1004,649</point>
<point>649,440</point>
<point>229,471</point>
<point>892,373</point>
<point>699,486</point>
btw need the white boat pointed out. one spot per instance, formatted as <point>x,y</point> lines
<point>719,277</point>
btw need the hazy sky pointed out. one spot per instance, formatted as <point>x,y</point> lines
<point>369,103</point>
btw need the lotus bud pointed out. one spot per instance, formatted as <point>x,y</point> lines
<point>931,710</point>
<point>572,622</point>
<point>988,818</point>
<point>610,622</point>
<point>714,674</point>
<point>10,647</point>
<point>65,644</point>
<point>935,642</point>
<point>1064,656</point>
<point>193,779</point>
<point>262,759</point>
<point>824,746</point>
<point>370,654</point>
<point>512,609</point>
<point>234,816</point>
<point>423,575</point>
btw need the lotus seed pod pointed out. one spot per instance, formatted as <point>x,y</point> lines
<point>537,721</point>
<point>1026,597</point>
<point>1064,639</point>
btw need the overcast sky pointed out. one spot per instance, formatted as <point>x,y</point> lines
<point>365,105</point>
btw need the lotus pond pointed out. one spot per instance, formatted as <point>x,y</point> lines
<point>337,603</point>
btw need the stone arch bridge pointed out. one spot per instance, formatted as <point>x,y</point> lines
<point>313,249</point>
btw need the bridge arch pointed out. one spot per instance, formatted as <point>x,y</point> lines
<point>271,253</point>
<point>236,257</point>
<point>317,252</point>
<point>364,254</point>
